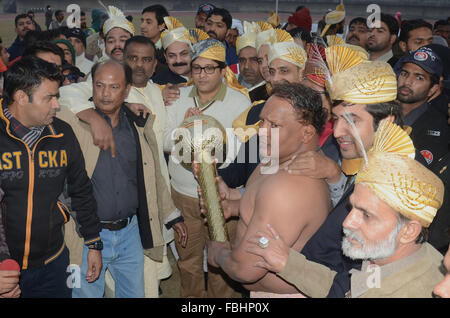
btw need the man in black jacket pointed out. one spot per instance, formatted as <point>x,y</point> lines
<point>418,80</point>
<point>38,154</point>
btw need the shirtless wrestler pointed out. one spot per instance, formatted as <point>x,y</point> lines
<point>297,204</point>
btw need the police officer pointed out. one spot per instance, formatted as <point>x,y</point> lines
<point>418,81</point>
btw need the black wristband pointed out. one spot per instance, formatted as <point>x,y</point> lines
<point>174,221</point>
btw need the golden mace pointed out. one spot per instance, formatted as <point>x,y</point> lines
<point>204,138</point>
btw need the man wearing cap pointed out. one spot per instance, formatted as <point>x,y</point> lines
<point>78,40</point>
<point>394,201</point>
<point>334,21</point>
<point>202,14</point>
<point>301,18</point>
<point>354,98</point>
<point>418,80</point>
<point>217,93</point>
<point>176,41</point>
<point>249,74</point>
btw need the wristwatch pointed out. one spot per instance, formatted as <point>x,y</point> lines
<point>97,245</point>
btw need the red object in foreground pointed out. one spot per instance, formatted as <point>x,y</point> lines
<point>9,265</point>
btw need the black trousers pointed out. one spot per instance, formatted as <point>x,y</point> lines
<point>49,281</point>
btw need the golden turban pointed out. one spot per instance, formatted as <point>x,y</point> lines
<point>273,19</point>
<point>176,32</point>
<point>117,20</point>
<point>334,17</point>
<point>248,38</point>
<point>215,50</point>
<point>364,83</point>
<point>393,175</point>
<point>265,34</point>
<point>288,51</point>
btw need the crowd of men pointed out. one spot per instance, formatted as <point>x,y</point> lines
<point>353,119</point>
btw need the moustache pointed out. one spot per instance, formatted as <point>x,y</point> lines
<point>354,37</point>
<point>139,70</point>
<point>117,50</point>
<point>404,87</point>
<point>353,236</point>
<point>179,64</point>
<point>212,34</point>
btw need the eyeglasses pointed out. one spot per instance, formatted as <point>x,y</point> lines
<point>71,77</point>
<point>209,69</point>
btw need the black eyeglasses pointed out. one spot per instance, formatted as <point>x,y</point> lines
<point>71,77</point>
<point>209,69</point>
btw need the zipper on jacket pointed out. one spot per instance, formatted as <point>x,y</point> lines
<point>30,152</point>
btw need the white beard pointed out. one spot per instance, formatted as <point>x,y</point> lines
<point>379,250</point>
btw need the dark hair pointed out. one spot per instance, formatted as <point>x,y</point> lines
<point>226,16</point>
<point>127,70</point>
<point>391,23</point>
<point>57,12</point>
<point>305,101</point>
<point>31,37</point>
<point>159,10</point>
<point>27,74</point>
<point>82,13</point>
<point>380,111</point>
<point>301,33</point>
<point>20,16</point>
<point>141,40</point>
<point>410,25</point>
<point>439,23</point>
<point>358,20</point>
<point>54,33</point>
<point>220,64</point>
<point>30,12</point>
<point>299,8</point>
<point>43,46</point>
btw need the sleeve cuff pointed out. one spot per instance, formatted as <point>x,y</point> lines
<point>173,218</point>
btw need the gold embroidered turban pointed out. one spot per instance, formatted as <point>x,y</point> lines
<point>176,32</point>
<point>248,38</point>
<point>265,34</point>
<point>364,83</point>
<point>117,20</point>
<point>396,178</point>
<point>273,19</point>
<point>288,51</point>
<point>334,17</point>
<point>215,50</point>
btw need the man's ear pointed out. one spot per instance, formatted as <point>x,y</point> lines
<point>433,90</point>
<point>20,97</point>
<point>393,39</point>
<point>410,231</point>
<point>161,27</point>
<point>390,118</point>
<point>127,91</point>
<point>308,133</point>
<point>402,45</point>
